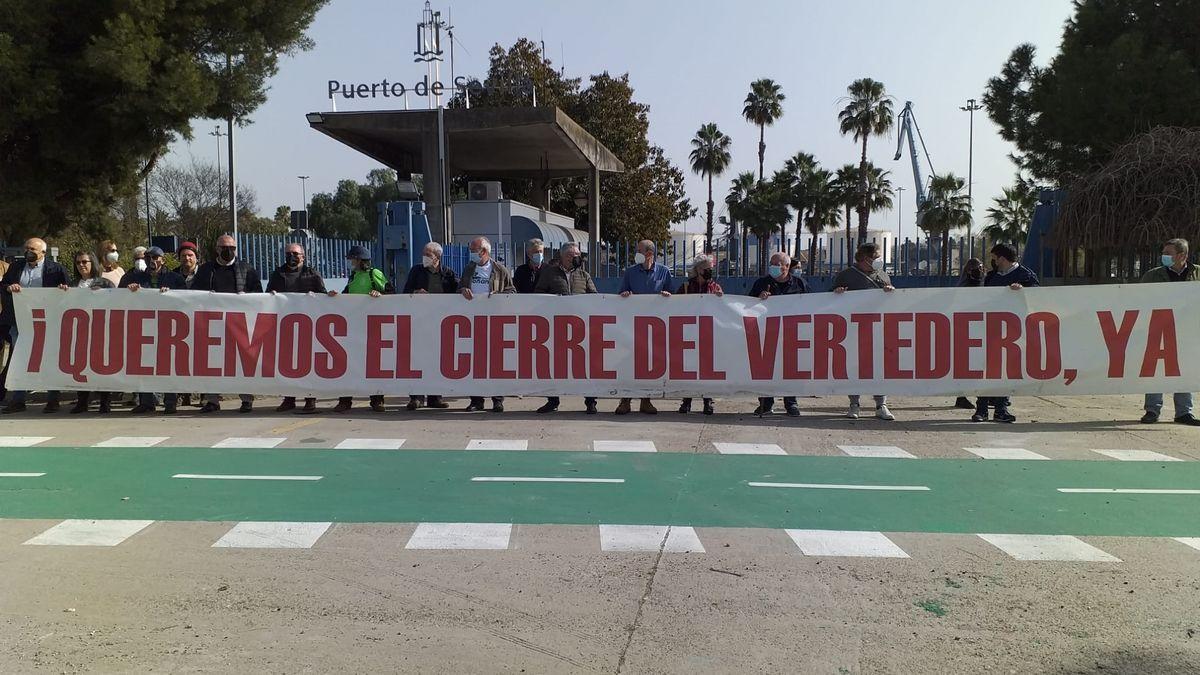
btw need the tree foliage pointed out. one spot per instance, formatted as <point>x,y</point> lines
<point>1124,67</point>
<point>1011,213</point>
<point>349,212</point>
<point>763,105</point>
<point>868,112</point>
<point>947,208</point>
<point>710,157</point>
<point>95,91</point>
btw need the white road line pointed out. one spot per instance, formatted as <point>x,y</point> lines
<point>226,476</point>
<point>250,442</point>
<point>370,444</point>
<point>272,535</point>
<point>497,444</point>
<point>845,543</point>
<point>875,451</point>
<point>831,486</point>
<point>534,479</point>
<point>624,446</point>
<point>22,441</point>
<point>748,449</point>
<point>1137,456</point>
<point>89,533</point>
<point>1194,542</point>
<point>1004,453</point>
<point>462,536</point>
<point>1047,547</point>
<point>678,539</point>
<point>14,474</point>
<point>1128,491</point>
<point>131,442</point>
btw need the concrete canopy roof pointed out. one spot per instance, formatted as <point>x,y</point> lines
<point>481,142</point>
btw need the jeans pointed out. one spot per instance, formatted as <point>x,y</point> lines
<point>18,397</point>
<point>879,400</point>
<point>995,402</point>
<point>216,398</point>
<point>152,400</point>
<point>768,402</point>
<point>1183,404</point>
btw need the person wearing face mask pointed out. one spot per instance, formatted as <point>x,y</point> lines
<point>227,274</point>
<point>701,281</point>
<point>1174,267</point>
<point>189,262</point>
<point>525,276</point>
<point>972,277</point>
<point>87,275</point>
<point>1006,271</point>
<point>139,258</point>
<point>485,276</point>
<point>294,276</point>
<point>645,277</point>
<point>431,276</point>
<point>109,257</point>
<point>34,271</point>
<point>866,274</point>
<point>155,276</point>
<point>778,281</point>
<point>566,277</point>
<point>363,279</point>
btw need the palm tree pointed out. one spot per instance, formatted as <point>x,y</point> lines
<point>736,205</point>
<point>710,157</point>
<point>763,105</point>
<point>793,181</point>
<point>946,208</point>
<point>1012,214</point>
<point>878,193</point>
<point>766,212</point>
<point>868,112</point>
<point>846,181</point>
<point>824,209</point>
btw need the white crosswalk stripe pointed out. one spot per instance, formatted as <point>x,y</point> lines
<point>1194,542</point>
<point>462,536</point>
<point>1047,547</point>
<point>875,451</point>
<point>272,535</point>
<point>370,444</point>
<point>23,441</point>
<point>1137,456</point>
<point>624,446</point>
<point>671,539</point>
<point>89,533</point>
<point>249,442</point>
<point>497,444</point>
<point>132,442</point>
<point>749,449</point>
<point>1004,453</point>
<point>845,543</point>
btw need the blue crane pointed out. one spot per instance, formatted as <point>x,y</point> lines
<point>907,122</point>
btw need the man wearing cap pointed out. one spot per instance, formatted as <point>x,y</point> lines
<point>293,276</point>
<point>363,279</point>
<point>485,276</point>
<point>158,277</point>
<point>189,262</point>
<point>227,274</point>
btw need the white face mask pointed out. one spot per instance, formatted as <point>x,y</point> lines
<point>112,257</point>
<point>428,261</point>
<point>639,258</point>
<point>139,265</point>
<point>877,264</point>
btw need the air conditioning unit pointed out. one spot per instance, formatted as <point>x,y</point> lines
<point>484,191</point>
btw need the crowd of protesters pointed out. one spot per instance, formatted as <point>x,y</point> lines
<point>484,276</point>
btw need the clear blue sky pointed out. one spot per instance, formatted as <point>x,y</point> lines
<point>690,62</point>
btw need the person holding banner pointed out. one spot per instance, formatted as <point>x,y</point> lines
<point>1006,271</point>
<point>701,281</point>
<point>431,276</point>
<point>485,276</point>
<point>972,277</point>
<point>227,274</point>
<point>35,271</point>
<point>293,276</point>
<point>109,257</point>
<point>189,262</point>
<point>567,277</point>
<point>88,275</point>
<point>779,281</point>
<point>363,280</point>
<point>525,277</point>
<point>156,275</point>
<point>1175,267</point>
<point>866,273</point>
<point>644,277</point>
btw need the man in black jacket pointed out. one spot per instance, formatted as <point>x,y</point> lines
<point>156,276</point>
<point>1006,271</point>
<point>35,271</point>
<point>778,281</point>
<point>227,274</point>
<point>525,276</point>
<point>293,276</point>
<point>431,276</point>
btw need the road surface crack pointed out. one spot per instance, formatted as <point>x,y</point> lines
<point>637,617</point>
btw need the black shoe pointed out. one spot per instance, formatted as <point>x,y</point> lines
<point>549,407</point>
<point>413,403</point>
<point>497,407</point>
<point>1188,419</point>
<point>474,406</point>
<point>792,411</point>
<point>210,407</point>
<point>81,406</point>
<point>141,409</point>
<point>168,409</point>
<point>185,400</point>
<point>12,408</point>
<point>246,407</point>
<point>377,406</point>
<point>686,406</point>
<point>622,407</point>
<point>105,407</point>
<point>436,402</point>
<point>763,410</point>
<point>343,405</point>
<point>708,406</point>
<point>50,407</point>
<point>590,407</point>
<point>1002,415</point>
<point>1149,417</point>
<point>964,403</point>
<point>287,405</point>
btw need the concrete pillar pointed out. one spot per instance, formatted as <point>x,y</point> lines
<point>594,219</point>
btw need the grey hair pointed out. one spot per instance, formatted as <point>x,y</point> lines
<point>782,256</point>
<point>484,243</point>
<point>437,248</point>
<point>534,243</point>
<point>569,244</point>
<point>291,244</point>
<point>1181,245</point>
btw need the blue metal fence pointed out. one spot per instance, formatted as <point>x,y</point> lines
<point>326,256</point>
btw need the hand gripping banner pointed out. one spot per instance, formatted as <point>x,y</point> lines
<point>989,341</point>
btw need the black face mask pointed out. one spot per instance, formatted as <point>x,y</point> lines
<point>226,253</point>
<point>293,261</point>
<point>576,263</point>
<point>31,257</point>
<point>706,274</point>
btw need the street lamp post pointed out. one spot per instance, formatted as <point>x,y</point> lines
<point>970,108</point>
<point>899,228</point>
<point>303,193</point>
<point>220,187</point>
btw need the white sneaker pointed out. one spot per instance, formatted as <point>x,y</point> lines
<point>853,414</point>
<point>883,413</point>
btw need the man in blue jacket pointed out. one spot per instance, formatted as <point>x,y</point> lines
<point>35,271</point>
<point>1006,271</point>
<point>645,277</point>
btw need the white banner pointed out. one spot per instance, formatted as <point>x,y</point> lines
<point>1077,340</point>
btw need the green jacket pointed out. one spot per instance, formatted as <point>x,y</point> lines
<point>1160,275</point>
<point>365,281</point>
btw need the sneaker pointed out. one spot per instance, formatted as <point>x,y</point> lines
<point>474,406</point>
<point>622,407</point>
<point>792,411</point>
<point>590,407</point>
<point>708,406</point>
<point>413,403</point>
<point>1149,418</point>
<point>964,403</point>
<point>854,410</point>
<point>685,406</point>
<point>497,407</point>
<point>762,410</point>
<point>343,405</point>
<point>288,404</point>
<point>979,417</point>
<point>647,408</point>
<point>549,407</point>
<point>1188,419</point>
<point>246,407</point>
<point>883,413</point>
<point>1004,416</point>
<point>210,407</point>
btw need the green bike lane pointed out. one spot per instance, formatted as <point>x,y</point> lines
<point>703,490</point>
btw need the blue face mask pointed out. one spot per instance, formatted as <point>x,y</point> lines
<point>475,257</point>
<point>775,270</point>
<point>1167,260</point>
<point>536,258</point>
<point>798,273</point>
